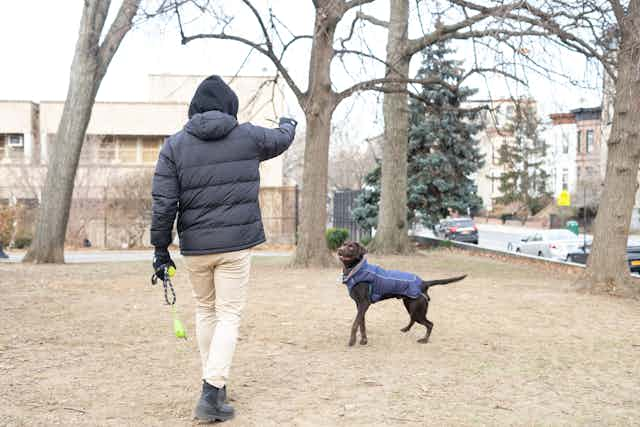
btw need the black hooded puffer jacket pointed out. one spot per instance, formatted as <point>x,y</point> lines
<point>208,174</point>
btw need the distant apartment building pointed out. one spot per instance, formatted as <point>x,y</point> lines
<point>123,140</point>
<point>589,173</point>
<point>497,120</point>
<point>561,140</point>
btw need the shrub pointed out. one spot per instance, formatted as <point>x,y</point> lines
<point>7,222</point>
<point>22,242</point>
<point>366,240</point>
<point>336,237</point>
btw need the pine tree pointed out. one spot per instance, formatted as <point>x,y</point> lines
<point>523,180</point>
<point>443,153</point>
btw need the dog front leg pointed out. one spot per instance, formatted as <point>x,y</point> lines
<point>354,329</point>
<point>363,328</point>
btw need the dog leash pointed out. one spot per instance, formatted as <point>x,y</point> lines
<point>166,284</point>
<point>178,327</point>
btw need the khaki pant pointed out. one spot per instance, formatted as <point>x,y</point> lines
<point>219,284</point>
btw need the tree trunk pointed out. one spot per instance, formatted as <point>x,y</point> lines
<point>391,234</point>
<point>318,105</point>
<point>607,269</point>
<point>90,62</point>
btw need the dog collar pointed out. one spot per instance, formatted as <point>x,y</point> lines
<point>354,270</point>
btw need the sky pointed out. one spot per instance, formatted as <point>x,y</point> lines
<point>37,40</point>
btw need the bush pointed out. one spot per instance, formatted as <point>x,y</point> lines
<point>7,221</point>
<point>22,242</point>
<point>336,237</point>
<point>366,240</point>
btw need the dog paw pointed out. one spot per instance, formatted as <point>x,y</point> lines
<point>423,340</point>
<point>405,329</point>
<point>363,341</point>
<point>352,342</point>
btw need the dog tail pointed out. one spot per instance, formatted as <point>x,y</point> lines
<point>426,284</point>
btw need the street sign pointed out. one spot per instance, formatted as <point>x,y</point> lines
<point>564,199</point>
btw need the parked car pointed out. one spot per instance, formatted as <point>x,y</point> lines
<point>458,229</point>
<point>581,255</point>
<point>556,244</point>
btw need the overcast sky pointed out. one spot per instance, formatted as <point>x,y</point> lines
<point>37,39</point>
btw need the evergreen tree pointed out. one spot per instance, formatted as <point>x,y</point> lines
<point>443,152</point>
<point>523,179</point>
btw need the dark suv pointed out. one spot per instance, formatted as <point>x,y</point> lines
<point>458,229</point>
<point>633,256</point>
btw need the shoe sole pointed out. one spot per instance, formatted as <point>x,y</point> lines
<point>211,418</point>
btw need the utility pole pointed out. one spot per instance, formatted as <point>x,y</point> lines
<point>584,216</point>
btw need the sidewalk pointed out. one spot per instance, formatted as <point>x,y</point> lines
<point>89,256</point>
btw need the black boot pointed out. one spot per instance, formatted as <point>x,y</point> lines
<point>212,406</point>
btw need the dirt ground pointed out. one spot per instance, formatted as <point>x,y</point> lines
<point>93,345</point>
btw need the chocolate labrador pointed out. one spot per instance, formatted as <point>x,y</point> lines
<point>368,284</point>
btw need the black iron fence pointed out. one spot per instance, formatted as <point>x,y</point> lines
<point>342,217</point>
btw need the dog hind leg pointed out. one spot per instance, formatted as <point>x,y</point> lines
<point>429,325</point>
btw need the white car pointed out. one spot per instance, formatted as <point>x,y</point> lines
<point>555,244</point>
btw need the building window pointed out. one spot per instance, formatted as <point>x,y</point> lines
<point>565,179</point>
<point>589,142</point>
<point>151,148</point>
<point>578,140</point>
<point>127,149</point>
<point>510,111</point>
<point>12,147</point>
<point>565,145</point>
<point>106,149</point>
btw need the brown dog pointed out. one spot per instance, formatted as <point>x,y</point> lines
<point>368,284</point>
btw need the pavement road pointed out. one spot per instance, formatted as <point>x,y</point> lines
<point>495,236</point>
<point>89,256</point>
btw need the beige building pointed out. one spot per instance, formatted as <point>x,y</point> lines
<point>121,147</point>
<point>495,133</point>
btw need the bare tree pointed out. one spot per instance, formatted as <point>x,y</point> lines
<point>391,236</point>
<point>130,202</point>
<point>92,57</point>
<point>349,167</point>
<point>606,32</point>
<point>318,102</point>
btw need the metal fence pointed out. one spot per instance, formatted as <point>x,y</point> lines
<point>342,217</point>
<point>108,222</point>
<point>280,213</point>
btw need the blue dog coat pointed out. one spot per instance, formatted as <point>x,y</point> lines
<point>383,282</point>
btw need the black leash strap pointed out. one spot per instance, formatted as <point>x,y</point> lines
<point>166,283</point>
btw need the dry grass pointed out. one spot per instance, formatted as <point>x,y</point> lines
<point>93,345</point>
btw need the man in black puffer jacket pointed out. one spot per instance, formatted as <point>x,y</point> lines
<point>208,175</point>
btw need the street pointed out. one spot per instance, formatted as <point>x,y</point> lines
<point>494,236</point>
<point>91,256</point>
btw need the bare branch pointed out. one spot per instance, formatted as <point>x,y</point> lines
<point>372,19</point>
<point>265,48</point>
<point>416,45</point>
<point>618,10</point>
<point>494,71</point>
<point>269,54</point>
<point>119,28</point>
<point>261,23</point>
<point>379,85</point>
<point>293,40</point>
<point>547,22</point>
<point>355,3</point>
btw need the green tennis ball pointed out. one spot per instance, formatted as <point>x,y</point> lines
<point>178,329</point>
<point>171,271</point>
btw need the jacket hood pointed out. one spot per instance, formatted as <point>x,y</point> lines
<point>214,94</point>
<point>210,125</point>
